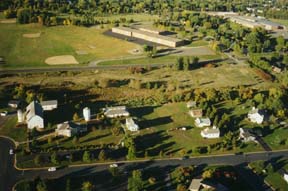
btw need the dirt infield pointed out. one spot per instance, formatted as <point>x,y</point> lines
<point>8,21</point>
<point>32,35</point>
<point>63,59</point>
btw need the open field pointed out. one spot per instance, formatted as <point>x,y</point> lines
<point>32,52</point>
<point>281,21</point>
<point>8,128</point>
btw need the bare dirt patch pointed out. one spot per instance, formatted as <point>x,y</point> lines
<point>8,21</point>
<point>63,59</point>
<point>32,35</point>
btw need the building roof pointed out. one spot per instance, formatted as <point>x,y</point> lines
<point>33,109</point>
<point>66,125</point>
<point>191,103</point>
<point>49,102</point>
<point>196,112</point>
<point>150,34</point>
<point>213,130</point>
<point>204,120</point>
<point>195,184</point>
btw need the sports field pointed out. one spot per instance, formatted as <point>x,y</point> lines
<point>19,51</point>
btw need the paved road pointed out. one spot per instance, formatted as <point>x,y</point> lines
<point>9,175</point>
<point>87,68</point>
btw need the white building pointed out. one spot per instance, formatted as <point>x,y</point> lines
<point>255,117</point>
<point>20,116</point>
<point>285,176</point>
<point>210,133</point>
<point>246,135</point>
<point>190,104</point>
<point>87,114</point>
<point>131,125</point>
<point>49,105</point>
<point>69,129</point>
<point>202,122</point>
<point>119,111</point>
<point>34,115</point>
<point>14,103</point>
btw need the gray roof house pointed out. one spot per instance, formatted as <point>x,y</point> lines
<point>34,115</point>
<point>202,122</point>
<point>69,129</point>
<point>113,112</point>
<point>49,105</point>
<point>246,135</point>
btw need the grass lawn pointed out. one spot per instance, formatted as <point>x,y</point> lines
<point>8,128</point>
<point>276,181</point>
<point>276,140</point>
<point>198,43</point>
<point>97,137</point>
<point>155,136</point>
<point>281,21</point>
<point>54,41</point>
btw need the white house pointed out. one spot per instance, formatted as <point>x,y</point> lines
<point>49,105</point>
<point>285,176</point>
<point>34,115</point>
<point>131,125</point>
<point>210,133</point>
<point>255,117</point>
<point>196,113</point>
<point>69,129</point>
<point>190,104</point>
<point>119,111</point>
<point>87,113</point>
<point>202,122</point>
<point>14,103</point>
<point>246,135</point>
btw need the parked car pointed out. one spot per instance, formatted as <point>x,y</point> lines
<point>52,169</point>
<point>11,152</point>
<point>113,165</point>
<point>4,113</point>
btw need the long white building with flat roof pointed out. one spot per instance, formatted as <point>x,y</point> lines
<point>148,36</point>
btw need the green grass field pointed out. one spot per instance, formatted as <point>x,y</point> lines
<point>281,21</point>
<point>198,43</point>
<point>54,41</point>
<point>8,128</point>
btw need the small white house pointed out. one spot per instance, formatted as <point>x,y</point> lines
<point>34,115</point>
<point>202,122</point>
<point>196,113</point>
<point>246,136</point>
<point>285,176</point>
<point>119,111</point>
<point>210,133</point>
<point>190,104</point>
<point>49,105</point>
<point>87,113</point>
<point>255,117</point>
<point>20,116</point>
<point>14,103</point>
<point>131,125</point>
<point>69,129</point>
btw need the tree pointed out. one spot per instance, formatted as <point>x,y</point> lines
<point>102,155</point>
<point>135,183</point>
<point>208,174</point>
<point>75,117</point>
<point>23,16</point>
<point>87,186</point>
<point>68,185</point>
<point>41,186</point>
<point>75,140</point>
<point>131,152</point>
<point>54,158</point>
<point>114,171</point>
<point>37,160</point>
<point>86,156</point>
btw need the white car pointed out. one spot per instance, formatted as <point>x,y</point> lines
<point>113,165</point>
<point>11,152</point>
<point>52,169</point>
<point>4,113</point>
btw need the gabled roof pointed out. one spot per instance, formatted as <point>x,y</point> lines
<point>195,184</point>
<point>49,102</point>
<point>33,109</point>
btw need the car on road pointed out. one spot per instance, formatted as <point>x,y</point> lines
<point>113,165</point>
<point>52,169</point>
<point>11,152</point>
<point>184,158</point>
<point>4,113</point>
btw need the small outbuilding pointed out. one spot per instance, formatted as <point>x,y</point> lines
<point>69,129</point>
<point>255,117</point>
<point>211,133</point>
<point>131,125</point>
<point>196,113</point>
<point>202,122</point>
<point>49,105</point>
<point>118,111</point>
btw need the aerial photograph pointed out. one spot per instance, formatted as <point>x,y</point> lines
<point>143,95</point>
